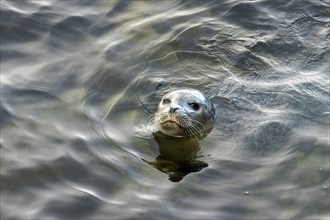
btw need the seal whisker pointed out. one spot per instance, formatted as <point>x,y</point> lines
<point>195,126</point>
<point>151,118</point>
<point>199,123</point>
<point>191,128</point>
<point>195,130</point>
<point>193,133</point>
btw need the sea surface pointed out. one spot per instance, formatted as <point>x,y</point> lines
<point>79,78</point>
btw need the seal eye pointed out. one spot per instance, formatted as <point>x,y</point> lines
<point>194,106</point>
<point>166,101</point>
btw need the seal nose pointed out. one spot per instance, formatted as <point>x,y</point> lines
<point>173,109</point>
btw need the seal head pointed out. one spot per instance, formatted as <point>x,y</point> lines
<point>185,112</point>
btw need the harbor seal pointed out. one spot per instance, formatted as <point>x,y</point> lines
<point>185,112</point>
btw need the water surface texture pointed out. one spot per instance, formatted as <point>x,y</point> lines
<point>78,76</point>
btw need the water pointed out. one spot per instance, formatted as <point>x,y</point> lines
<point>78,76</point>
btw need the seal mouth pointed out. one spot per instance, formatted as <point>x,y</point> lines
<point>170,123</point>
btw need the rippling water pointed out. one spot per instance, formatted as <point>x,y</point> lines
<point>78,76</point>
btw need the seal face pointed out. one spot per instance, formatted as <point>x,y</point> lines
<point>185,112</point>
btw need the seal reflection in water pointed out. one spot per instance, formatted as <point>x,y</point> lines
<point>183,118</point>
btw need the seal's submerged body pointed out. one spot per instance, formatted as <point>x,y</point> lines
<point>185,112</point>
<point>183,118</point>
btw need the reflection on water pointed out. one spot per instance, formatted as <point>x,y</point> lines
<point>178,156</point>
<point>78,76</point>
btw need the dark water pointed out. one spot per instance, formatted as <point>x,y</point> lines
<point>78,76</point>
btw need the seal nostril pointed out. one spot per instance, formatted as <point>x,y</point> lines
<point>173,109</point>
